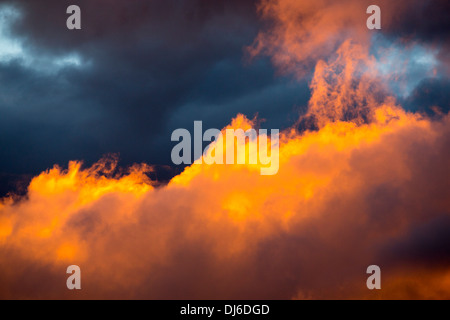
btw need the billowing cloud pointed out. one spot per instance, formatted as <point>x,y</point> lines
<point>361,181</point>
<point>300,33</point>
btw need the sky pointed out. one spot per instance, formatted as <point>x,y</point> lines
<point>86,175</point>
<point>134,73</point>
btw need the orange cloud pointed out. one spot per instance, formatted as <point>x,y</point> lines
<point>303,32</point>
<point>221,231</point>
<point>349,193</point>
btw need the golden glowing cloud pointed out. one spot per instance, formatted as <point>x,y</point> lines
<point>347,194</point>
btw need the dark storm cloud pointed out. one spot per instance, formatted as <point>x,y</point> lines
<point>425,245</point>
<point>430,96</point>
<point>141,63</point>
<point>422,21</point>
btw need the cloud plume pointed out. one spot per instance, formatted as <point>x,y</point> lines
<point>361,181</point>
